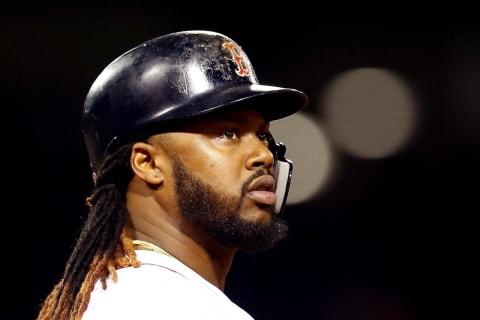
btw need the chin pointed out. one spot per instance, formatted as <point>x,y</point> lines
<point>259,215</point>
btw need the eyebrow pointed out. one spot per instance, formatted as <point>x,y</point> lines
<point>236,117</point>
<point>233,117</point>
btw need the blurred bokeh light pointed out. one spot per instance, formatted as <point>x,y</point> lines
<point>369,112</point>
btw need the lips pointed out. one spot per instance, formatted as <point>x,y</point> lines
<point>262,190</point>
<point>264,183</point>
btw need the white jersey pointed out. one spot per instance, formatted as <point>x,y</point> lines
<point>162,288</point>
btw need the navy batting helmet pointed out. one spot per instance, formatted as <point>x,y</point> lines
<point>174,77</point>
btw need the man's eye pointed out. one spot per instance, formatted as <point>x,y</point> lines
<point>265,136</point>
<point>230,134</point>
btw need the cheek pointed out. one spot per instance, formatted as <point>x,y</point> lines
<point>220,171</point>
<point>217,166</point>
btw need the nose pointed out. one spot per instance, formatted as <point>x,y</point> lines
<point>260,156</point>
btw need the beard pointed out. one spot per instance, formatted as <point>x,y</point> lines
<point>219,214</point>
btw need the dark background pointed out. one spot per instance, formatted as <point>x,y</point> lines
<point>403,248</point>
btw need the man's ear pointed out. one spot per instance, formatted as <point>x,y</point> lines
<point>146,164</point>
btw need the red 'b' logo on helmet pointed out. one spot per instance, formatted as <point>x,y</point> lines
<point>242,68</point>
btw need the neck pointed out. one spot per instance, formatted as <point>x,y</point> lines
<point>145,245</point>
<point>206,257</point>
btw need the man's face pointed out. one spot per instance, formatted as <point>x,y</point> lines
<point>223,180</point>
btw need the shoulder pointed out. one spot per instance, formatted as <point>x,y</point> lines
<point>156,277</point>
<point>161,288</point>
<point>147,292</point>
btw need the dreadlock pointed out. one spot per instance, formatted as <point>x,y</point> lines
<point>102,246</point>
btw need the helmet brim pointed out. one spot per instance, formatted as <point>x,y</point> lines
<point>271,101</point>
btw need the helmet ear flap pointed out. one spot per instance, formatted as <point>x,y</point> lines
<point>283,175</point>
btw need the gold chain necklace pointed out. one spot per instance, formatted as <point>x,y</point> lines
<point>150,246</point>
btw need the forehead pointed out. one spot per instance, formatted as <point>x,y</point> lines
<point>213,123</point>
<point>240,117</point>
